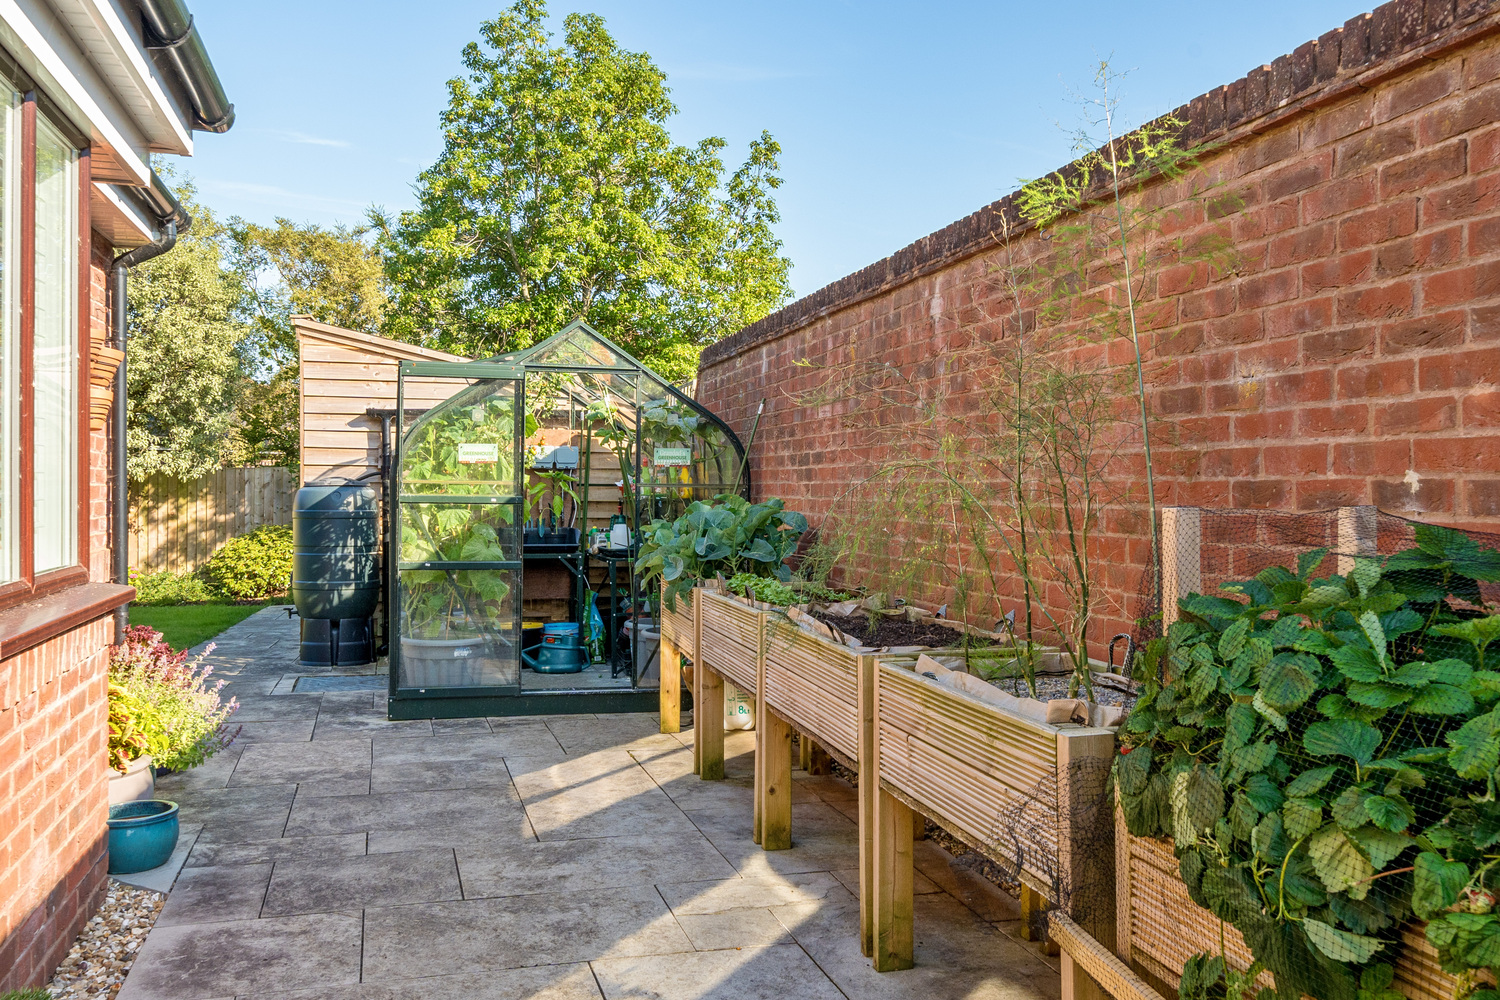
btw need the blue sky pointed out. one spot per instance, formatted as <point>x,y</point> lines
<point>895,118</point>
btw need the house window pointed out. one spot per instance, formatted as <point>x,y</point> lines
<point>41,383</point>
<point>54,431</point>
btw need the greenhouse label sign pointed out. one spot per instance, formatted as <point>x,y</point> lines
<point>469,453</point>
<point>673,456</point>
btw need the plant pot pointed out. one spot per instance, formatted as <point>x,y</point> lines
<point>142,835</point>
<point>135,784</point>
<point>454,663</point>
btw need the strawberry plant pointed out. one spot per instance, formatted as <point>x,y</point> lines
<point>1323,751</point>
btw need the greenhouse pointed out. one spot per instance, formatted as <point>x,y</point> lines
<point>521,489</point>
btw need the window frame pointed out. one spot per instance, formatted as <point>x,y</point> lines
<point>28,583</point>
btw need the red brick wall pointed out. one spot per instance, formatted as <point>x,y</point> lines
<point>1354,358</point>
<point>53,799</point>
<point>100,442</point>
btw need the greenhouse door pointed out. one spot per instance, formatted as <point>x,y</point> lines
<point>455,559</point>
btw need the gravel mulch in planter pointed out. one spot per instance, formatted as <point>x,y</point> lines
<point>100,958</point>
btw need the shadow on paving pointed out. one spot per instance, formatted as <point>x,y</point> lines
<point>345,857</point>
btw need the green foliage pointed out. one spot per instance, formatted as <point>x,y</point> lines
<point>188,353</point>
<point>560,195</point>
<point>727,537</point>
<point>26,995</point>
<point>162,698</point>
<point>254,566</point>
<point>762,588</point>
<point>447,603</point>
<point>333,274</point>
<point>1317,739</point>
<point>126,742</point>
<point>169,588</point>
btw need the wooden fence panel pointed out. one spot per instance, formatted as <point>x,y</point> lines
<point>176,525</point>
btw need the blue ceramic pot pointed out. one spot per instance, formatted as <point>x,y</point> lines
<point>142,835</point>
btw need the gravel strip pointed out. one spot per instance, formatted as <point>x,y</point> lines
<point>102,955</point>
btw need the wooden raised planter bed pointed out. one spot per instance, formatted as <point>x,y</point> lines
<point>1160,927</point>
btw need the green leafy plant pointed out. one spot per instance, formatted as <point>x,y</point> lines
<point>126,742</point>
<point>1315,750</point>
<point>168,588</point>
<point>729,536</point>
<point>162,699</point>
<point>550,491</point>
<point>445,603</point>
<point>762,588</point>
<point>254,566</point>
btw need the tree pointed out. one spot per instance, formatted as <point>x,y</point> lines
<point>187,353</point>
<point>560,195</point>
<point>332,274</point>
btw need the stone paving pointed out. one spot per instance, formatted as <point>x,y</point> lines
<point>336,855</point>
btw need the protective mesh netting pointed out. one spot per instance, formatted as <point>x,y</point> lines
<point>1317,737</point>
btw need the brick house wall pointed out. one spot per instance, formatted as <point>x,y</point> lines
<point>54,770</point>
<point>53,799</point>
<point>1353,358</point>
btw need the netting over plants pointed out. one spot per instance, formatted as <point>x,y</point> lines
<point>1318,735</point>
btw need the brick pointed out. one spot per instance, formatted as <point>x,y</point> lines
<point>1339,197</point>
<point>1461,285</point>
<point>1371,458</point>
<point>1461,200</point>
<point>1211,302</point>
<point>1378,302</point>
<point>1343,420</point>
<point>1260,493</point>
<point>1324,494</point>
<point>1268,289</point>
<point>1418,416</point>
<point>1373,147</point>
<point>1296,176</point>
<point>1239,396</point>
<point>1479,453</point>
<point>1230,462</point>
<point>1297,388</point>
<point>1377,225</point>
<point>1481,409</point>
<point>1302,245</point>
<point>1425,251</point>
<point>1188,399</point>
<point>1338,122</point>
<point>1417,91</point>
<point>1423,332</point>
<point>1340,272</point>
<point>1271,425</point>
<point>1484,150</point>
<point>1296,460</point>
<point>1239,328</point>
<point>1338,345</point>
<point>1483,497</point>
<point>1474,110</point>
<point>1459,369</point>
<point>1423,496</point>
<point>1484,323</point>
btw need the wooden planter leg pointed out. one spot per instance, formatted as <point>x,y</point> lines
<point>893,885</point>
<point>711,733</point>
<point>819,762</point>
<point>757,798</point>
<point>776,786</point>
<point>698,672</point>
<point>804,751</point>
<point>671,687</point>
<point>1033,906</point>
<point>918,826</point>
<point>869,786</point>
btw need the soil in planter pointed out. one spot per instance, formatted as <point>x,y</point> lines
<point>893,631</point>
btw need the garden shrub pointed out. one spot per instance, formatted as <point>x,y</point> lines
<point>1323,752</point>
<point>253,567</point>
<point>126,742</point>
<point>162,697</point>
<point>169,588</point>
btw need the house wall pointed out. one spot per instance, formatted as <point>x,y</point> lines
<point>1353,358</point>
<point>54,799</point>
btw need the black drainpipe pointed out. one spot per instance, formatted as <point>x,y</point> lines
<point>173,221</point>
<point>171,37</point>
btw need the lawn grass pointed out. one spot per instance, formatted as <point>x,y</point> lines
<point>186,625</point>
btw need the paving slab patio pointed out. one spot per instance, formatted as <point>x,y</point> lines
<point>346,857</point>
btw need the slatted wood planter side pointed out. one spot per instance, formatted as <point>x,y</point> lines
<point>988,776</point>
<point>730,637</point>
<point>1160,927</point>
<point>677,625</point>
<point>813,684</point>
